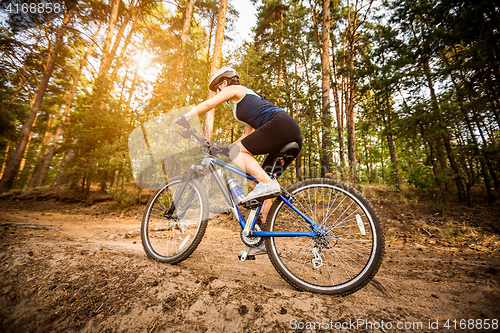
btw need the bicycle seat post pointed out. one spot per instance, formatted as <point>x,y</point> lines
<point>287,153</point>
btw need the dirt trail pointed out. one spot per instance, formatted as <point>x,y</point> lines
<point>70,268</point>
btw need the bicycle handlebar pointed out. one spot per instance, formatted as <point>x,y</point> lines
<point>205,144</point>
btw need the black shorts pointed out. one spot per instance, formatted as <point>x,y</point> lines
<point>271,137</point>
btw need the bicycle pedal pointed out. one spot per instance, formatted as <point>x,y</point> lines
<point>251,204</point>
<point>250,257</point>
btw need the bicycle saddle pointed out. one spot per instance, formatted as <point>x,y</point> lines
<point>291,149</point>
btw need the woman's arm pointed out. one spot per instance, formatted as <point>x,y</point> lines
<point>226,94</point>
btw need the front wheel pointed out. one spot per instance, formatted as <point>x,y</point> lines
<point>341,261</point>
<point>171,232</point>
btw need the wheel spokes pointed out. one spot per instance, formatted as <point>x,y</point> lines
<point>344,250</point>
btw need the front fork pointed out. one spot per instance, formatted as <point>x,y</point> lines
<point>178,196</point>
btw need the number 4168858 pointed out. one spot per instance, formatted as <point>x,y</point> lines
<point>471,324</point>
<point>34,8</point>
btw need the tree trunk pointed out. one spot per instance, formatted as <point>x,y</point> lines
<point>312,107</point>
<point>355,20</point>
<point>41,173</point>
<point>174,81</point>
<point>23,160</point>
<point>445,135</point>
<point>470,176</point>
<point>208,123</point>
<point>212,22</point>
<point>87,183</point>
<point>123,50</point>
<point>326,155</point>
<point>5,158</point>
<point>119,35</point>
<point>326,142</point>
<point>468,170</point>
<point>62,177</point>
<point>49,134</point>
<point>15,161</point>
<point>351,142</point>
<point>298,160</point>
<point>491,169</point>
<point>32,103</point>
<point>432,159</point>
<point>382,160</point>
<point>391,142</point>
<point>309,156</point>
<point>18,87</point>
<point>339,115</point>
<point>280,51</point>
<point>494,100</point>
<point>298,168</point>
<point>187,21</point>
<point>482,159</point>
<point>104,179</point>
<point>112,180</point>
<point>106,56</point>
<point>351,139</point>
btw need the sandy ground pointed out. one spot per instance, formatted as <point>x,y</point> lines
<point>75,268</point>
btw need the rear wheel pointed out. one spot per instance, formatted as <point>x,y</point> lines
<point>342,260</point>
<point>170,233</point>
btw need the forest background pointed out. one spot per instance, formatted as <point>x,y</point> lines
<point>393,92</point>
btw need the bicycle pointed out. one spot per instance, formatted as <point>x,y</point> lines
<point>321,235</point>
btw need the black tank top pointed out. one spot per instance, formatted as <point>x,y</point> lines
<point>252,110</point>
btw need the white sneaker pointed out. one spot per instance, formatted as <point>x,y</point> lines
<point>264,191</point>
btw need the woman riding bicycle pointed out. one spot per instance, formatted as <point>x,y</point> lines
<point>267,129</point>
<point>321,236</point>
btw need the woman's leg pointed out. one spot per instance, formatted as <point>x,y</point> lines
<point>266,188</point>
<point>245,161</point>
<point>265,209</point>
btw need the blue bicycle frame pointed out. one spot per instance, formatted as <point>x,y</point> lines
<point>209,162</point>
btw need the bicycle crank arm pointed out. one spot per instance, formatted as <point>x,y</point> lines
<point>244,254</point>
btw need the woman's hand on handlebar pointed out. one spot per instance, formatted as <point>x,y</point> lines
<point>183,122</point>
<point>220,151</point>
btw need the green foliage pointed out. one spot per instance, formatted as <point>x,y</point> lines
<point>447,47</point>
<point>123,197</point>
<point>422,177</point>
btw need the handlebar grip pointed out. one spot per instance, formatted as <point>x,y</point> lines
<point>182,121</point>
<point>220,151</point>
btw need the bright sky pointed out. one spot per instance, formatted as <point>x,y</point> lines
<point>241,33</point>
<point>243,26</point>
<point>246,21</point>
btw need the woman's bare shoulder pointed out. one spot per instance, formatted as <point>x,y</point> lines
<point>236,92</point>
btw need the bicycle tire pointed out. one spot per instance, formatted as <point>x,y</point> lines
<point>170,235</point>
<point>351,250</point>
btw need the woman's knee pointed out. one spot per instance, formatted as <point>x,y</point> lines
<point>236,150</point>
